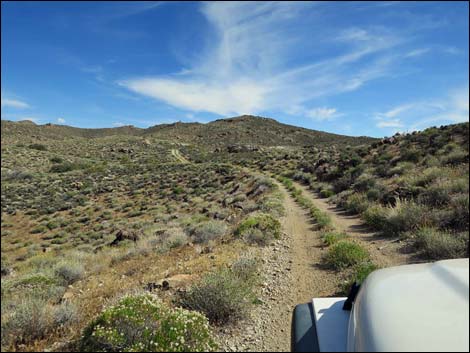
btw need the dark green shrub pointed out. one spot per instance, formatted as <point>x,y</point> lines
<point>359,275</point>
<point>56,160</point>
<point>345,254</point>
<point>330,238</point>
<point>143,323</point>
<point>376,217</point>
<point>260,224</point>
<point>364,183</point>
<point>321,218</point>
<point>38,147</point>
<point>357,203</point>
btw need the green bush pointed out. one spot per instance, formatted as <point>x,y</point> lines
<point>204,232</point>
<point>245,268</point>
<point>222,296</point>
<point>405,216</point>
<point>264,226</point>
<point>330,238</point>
<point>69,271</point>
<point>345,254</point>
<point>62,167</point>
<point>376,217</point>
<point>357,203</point>
<point>435,195</point>
<point>143,323</point>
<point>358,275</point>
<point>56,159</point>
<point>325,193</point>
<point>364,183</point>
<point>321,218</point>
<point>38,146</point>
<point>437,245</point>
<point>29,321</point>
<point>455,157</point>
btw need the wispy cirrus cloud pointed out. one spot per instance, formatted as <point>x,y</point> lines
<point>253,67</point>
<point>14,103</point>
<point>323,113</point>
<point>454,108</point>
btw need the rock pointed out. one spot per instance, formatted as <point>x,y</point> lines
<point>67,296</point>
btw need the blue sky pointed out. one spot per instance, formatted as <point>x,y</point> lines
<point>356,68</point>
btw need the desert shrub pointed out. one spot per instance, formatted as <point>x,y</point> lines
<point>6,267</point>
<point>245,268</point>
<point>176,239</point>
<point>260,228</point>
<point>325,193</point>
<point>204,232</point>
<point>435,195</point>
<point>38,229</point>
<point>345,254</point>
<point>64,314</point>
<point>142,323</point>
<point>56,159</point>
<point>274,205</point>
<point>364,183</point>
<point>358,275</point>
<point>343,183</point>
<point>304,178</point>
<point>62,168</point>
<point>436,245</point>
<point>330,238</point>
<point>222,296</point>
<point>41,286</point>
<point>69,271</point>
<point>321,218</point>
<point>455,157</point>
<point>410,155</point>
<point>357,203</point>
<point>38,147</point>
<point>30,320</point>
<point>405,216</point>
<point>427,176</point>
<point>459,207</point>
<point>376,216</point>
<point>401,168</point>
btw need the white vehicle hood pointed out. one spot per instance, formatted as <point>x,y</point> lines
<point>413,308</point>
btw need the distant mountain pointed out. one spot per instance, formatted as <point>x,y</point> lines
<point>244,129</point>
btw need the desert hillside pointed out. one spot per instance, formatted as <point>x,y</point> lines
<point>228,220</point>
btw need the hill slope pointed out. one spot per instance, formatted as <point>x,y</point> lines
<point>240,130</point>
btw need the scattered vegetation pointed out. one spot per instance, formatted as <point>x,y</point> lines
<point>142,323</point>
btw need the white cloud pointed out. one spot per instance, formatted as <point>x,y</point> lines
<point>61,120</point>
<point>118,124</point>
<point>248,68</point>
<point>394,123</point>
<point>416,52</point>
<point>397,110</point>
<point>321,114</point>
<point>454,108</point>
<point>14,103</point>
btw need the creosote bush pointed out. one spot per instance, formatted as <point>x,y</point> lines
<point>345,254</point>
<point>438,245</point>
<point>224,296</point>
<point>330,238</point>
<point>142,323</point>
<point>259,228</point>
<point>211,230</point>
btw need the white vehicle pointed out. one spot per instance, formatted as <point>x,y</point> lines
<point>409,308</point>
